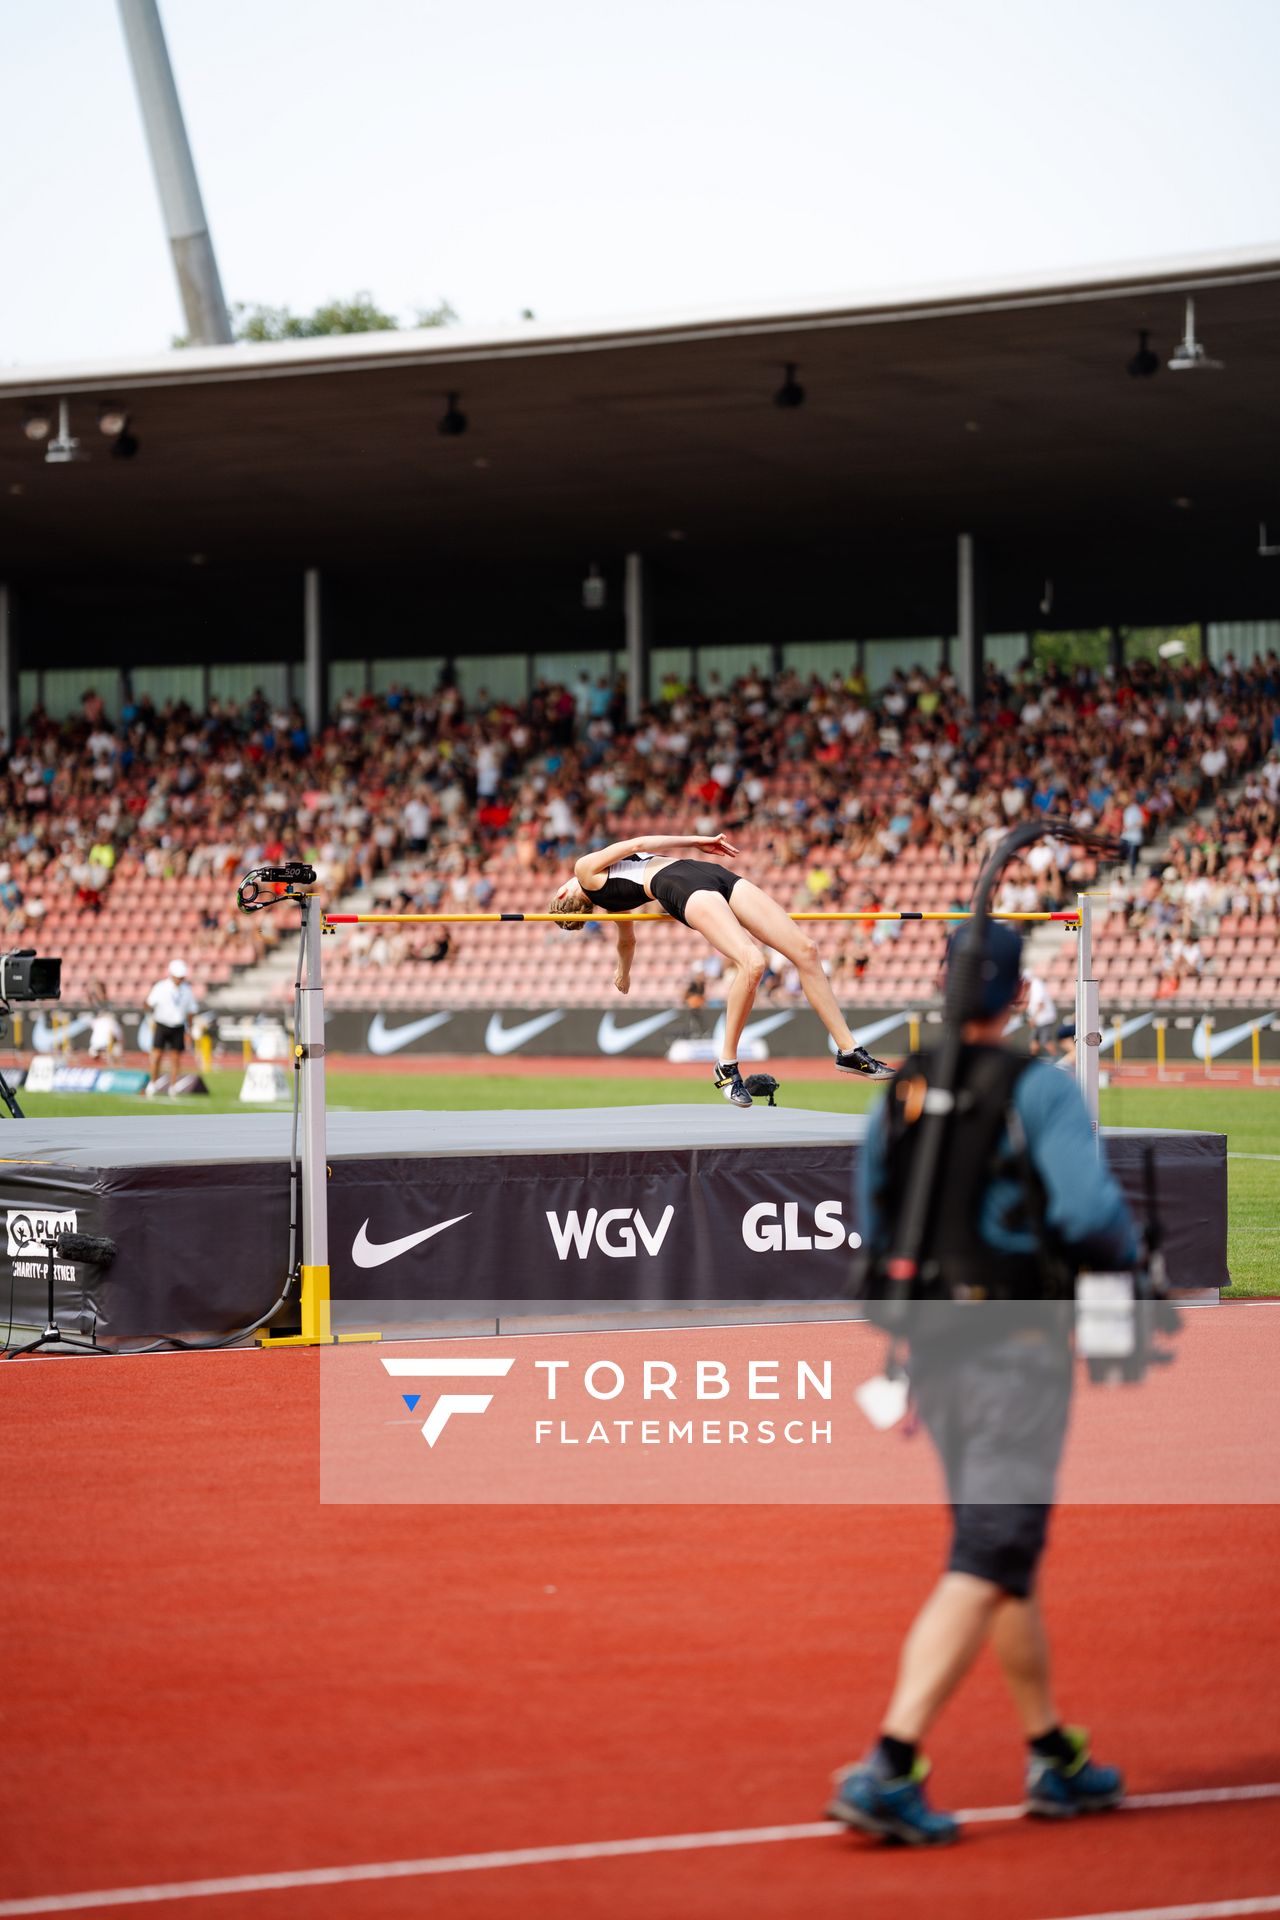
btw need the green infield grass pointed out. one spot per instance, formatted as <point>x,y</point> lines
<point>1249,1117</point>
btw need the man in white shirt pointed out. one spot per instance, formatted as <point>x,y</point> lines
<point>1042,1014</point>
<point>172,1005</point>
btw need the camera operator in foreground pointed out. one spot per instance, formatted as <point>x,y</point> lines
<point>1019,1201</point>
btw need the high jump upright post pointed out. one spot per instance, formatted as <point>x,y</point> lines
<point>1088,1017</point>
<point>315,1288</point>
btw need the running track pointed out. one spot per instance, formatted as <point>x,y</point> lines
<point>213,1677</point>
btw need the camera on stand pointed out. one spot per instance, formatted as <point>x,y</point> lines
<point>25,976</point>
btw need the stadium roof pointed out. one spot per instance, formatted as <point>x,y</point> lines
<point>1004,410</point>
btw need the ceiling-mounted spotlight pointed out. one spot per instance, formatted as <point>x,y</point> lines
<point>64,447</point>
<point>1144,364</point>
<point>1266,550</point>
<point>453,421</point>
<point>1046,598</point>
<point>113,421</point>
<point>37,424</point>
<point>1189,355</point>
<point>594,591</point>
<point>790,393</point>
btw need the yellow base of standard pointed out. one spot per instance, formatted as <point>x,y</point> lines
<point>316,1330</point>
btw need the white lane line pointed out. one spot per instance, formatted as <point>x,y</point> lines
<point>1206,1910</point>
<point>1253,1156</point>
<point>441,1864</point>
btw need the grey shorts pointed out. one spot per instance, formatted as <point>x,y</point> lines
<point>998,1417</point>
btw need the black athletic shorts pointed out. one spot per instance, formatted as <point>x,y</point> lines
<point>673,886</point>
<point>168,1039</point>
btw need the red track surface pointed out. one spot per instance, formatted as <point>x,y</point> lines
<point>211,1674</point>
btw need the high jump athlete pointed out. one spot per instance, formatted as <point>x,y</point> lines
<point>731,914</point>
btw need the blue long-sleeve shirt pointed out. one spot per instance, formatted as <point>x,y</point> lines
<point>1083,1204</point>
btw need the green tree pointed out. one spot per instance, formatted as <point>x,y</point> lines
<point>1087,648</point>
<point>1144,643</point>
<point>359,314</point>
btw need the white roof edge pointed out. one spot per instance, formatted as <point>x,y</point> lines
<point>519,339</point>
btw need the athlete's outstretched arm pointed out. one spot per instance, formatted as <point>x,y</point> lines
<point>593,866</point>
<point>626,954</point>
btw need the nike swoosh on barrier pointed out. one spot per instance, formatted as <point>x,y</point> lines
<point>384,1039</point>
<point>500,1039</point>
<point>366,1254</point>
<point>611,1038</point>
<point>45,1040</point>
<point>1125,1030</point>
<point>755,1029</point>
<point>1226,1037</point>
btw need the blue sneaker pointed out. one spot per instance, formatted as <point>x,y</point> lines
<point>1060,1789</point>
<point>891,1809</point>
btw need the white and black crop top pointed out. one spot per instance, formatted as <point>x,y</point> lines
<point>622,889</point>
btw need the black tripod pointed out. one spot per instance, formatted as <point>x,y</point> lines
<point>10,1099</point>
<point>91,1251</point>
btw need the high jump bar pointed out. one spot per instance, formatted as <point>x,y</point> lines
<point>558,919</point>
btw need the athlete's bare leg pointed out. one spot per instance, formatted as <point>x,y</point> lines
<point>710,915</point>
<point>761,915</point>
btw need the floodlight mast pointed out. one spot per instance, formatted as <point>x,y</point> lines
<point>199,285</point>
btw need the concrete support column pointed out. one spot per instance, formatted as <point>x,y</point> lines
<point>1115,646</point>
<point>636,613</point>
<point>969,619</point>
<point>315,652</point>
<point>9,715</point>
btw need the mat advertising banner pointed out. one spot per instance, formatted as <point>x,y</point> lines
<point>648,1203</point>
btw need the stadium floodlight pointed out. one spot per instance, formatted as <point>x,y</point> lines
<point>112,420</point>
<point>453,422</point>
<point>1189,355</point>
<point>37,424</point>
<point>1145,364</point>
<point>64,447</point>
<point>594,590</point>
<point>1046,598</point>
<point>790,394</point>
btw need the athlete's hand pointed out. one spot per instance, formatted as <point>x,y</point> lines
<point>717,843</point>
<point>622,979</point>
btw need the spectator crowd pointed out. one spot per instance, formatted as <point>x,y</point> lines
<point>812,776</point>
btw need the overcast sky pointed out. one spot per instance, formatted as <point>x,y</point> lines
<point>617,157</point>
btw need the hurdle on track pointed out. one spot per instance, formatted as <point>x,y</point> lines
<point>309,1051</point>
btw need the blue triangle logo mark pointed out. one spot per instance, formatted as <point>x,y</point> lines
<point>411,1400</point>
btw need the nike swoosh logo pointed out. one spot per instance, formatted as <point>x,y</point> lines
<point>1224,1037</point>
<point>1125,1030</point>
<point>611,1038</point>
<point>45,1040</point>
<point>500,1039</point>
<point>384,1039</point>
<point>755,1029</point>
<point>366,1254</point>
